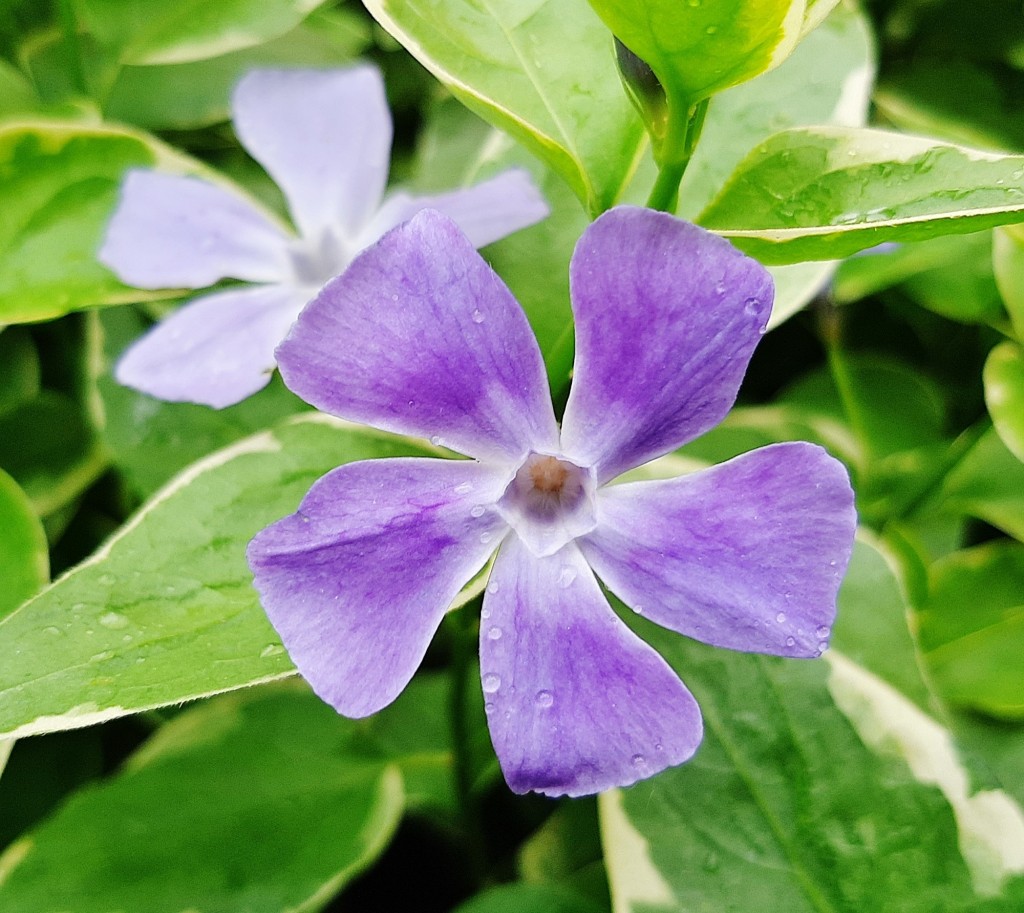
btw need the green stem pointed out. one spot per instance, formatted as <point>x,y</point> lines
<point>676,148</point>
<point>463,673</point>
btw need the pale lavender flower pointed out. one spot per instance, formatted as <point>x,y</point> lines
<point>325,137</point>
<point>420,337</point>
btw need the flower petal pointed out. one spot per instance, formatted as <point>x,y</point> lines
<point>747,555</point>
<point>667,317</point>
<point>216,350</point>
<point>576,702</point>
<point>324,136</point>
<point>174,231</point>
<point>419,336</point>
<point>357,581</point>
<point>486,212</point>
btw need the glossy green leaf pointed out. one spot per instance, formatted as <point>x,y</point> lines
<point>165,610</point>
<point>697,49</point>
<point>185,96</point>
<point>825,193</point>
<point>47,445</point>
<point>988,483</point>
<point>819,787</point>
<point>24,556</point>
<point>181,31</point>
<point>1004,394</point>
<point>248,803</point>
<point>1008,266</point>
<point>972,628</point>
<point>59,182</point>
<point>508,61</point>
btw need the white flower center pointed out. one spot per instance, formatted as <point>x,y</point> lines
<point>549,503</point>
<point>315,261</point>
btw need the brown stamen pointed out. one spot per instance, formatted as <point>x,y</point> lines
<point>548,475</point>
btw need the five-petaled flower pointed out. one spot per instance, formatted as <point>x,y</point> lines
<point>420,337</point>
<point>325,138</point>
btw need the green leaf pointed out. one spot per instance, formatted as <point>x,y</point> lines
<point>59,182</point>
<point>16,93</point>
<point>47,445</point>
<point>165,610</point>
<point>697,49</point>
<point>1008,266</point>
<point>248,803</point>
<point>180,31</point>
<point>24,555</point>
<point>988,483</point>
<point>186,96</point>
<point>508,62</point>
<point>824,193</point>
<point>819,787</point>
<point>1004,394</point>
<point>972,628</point>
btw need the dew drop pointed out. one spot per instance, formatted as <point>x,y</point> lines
<point>485,538</point>
<point>127,638</point>
<point>478,317</point>
<point>271,650</point>
<point>491,682</point>
<point>711,29</point>
<point>566,577</point>
<point>114,621</point>
<point>545,699</point>
<point>823,632</point>
<point>477,511</point>
<point>489,707</point>
<point>485,612</point>
<point>107,580</point>
<point>751,307</point>
<point>639,761</point>
<point>781,618</point>
<point>464,489</point>
<point>790,641</point>
<point>435,440</point>
<point>491,588</point>
<point>101,657</point>
<point>494,633</point>
<point>52,630</point>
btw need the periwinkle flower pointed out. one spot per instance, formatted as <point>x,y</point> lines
<point>325,137</point>
<point>420,337</point>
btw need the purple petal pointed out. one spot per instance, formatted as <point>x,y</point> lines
<point>216,350</point>
<point>324,136</point>
<point>419,336</point>
<point>357,581</point>
<point>747,555</point>
<point>173,231</point>
<point>576,702</point>
<point>485,212</point>
<point>667,316</point>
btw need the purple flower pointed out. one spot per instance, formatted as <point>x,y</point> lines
<point>325,137</point>
<point>420,337</point>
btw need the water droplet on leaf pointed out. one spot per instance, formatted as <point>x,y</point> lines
<point>114,621</point>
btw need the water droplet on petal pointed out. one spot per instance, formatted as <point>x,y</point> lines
<point>464,489</point>
<point>494,633</point>
<point>477,316</point>
<point>485,612</point>
<point>751,307</point>
<point>493,587</point>
<point>545,699</point>
<point>790,641</point>
<point>114,621</point>
<point>823,632</point>
<point>491,682</point>
<point>639,761</point>
<point>489,707</point>
<point>566,577</point>
<point>435,440</point>
<point>477,511</point>
<point>781,618</point>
